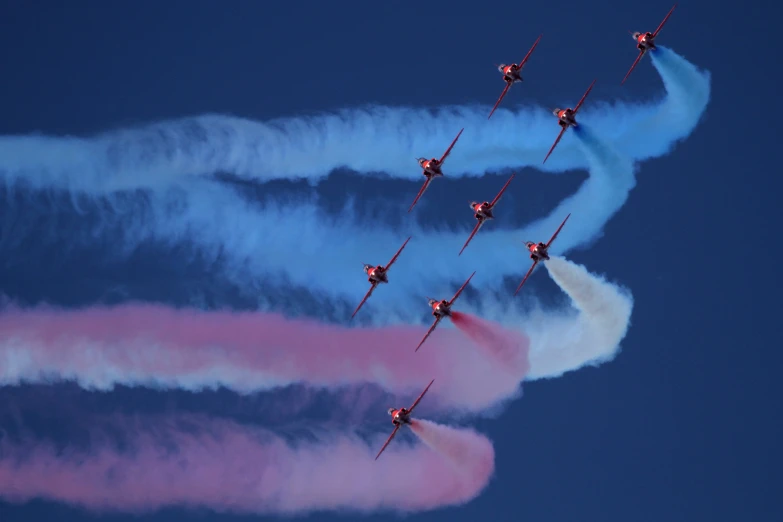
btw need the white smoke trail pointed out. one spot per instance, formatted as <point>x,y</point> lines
<point>590,335</point>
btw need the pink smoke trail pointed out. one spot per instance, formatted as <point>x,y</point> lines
<point>246,352</point>
<point>511,348</point>
<point>468,459</point>
<point>234,469</point>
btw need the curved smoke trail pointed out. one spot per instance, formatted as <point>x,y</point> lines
<point>248,237</point>
<point>230,468</point>
<point>380,139</point>
<point>295,243</point>
<point>138,345</point>
<point>271,476</point>
<point>591,334</point>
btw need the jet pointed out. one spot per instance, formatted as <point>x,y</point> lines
<point>432,169</point>
<point>441,309</point>
<point>377,275</point>
<point>539,252</point>
<point>645,42</point>
<point>483,211</point>
<point>401,417</point>
<point>567,118</point>
<point>512,74</point>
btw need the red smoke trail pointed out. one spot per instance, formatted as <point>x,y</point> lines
<point>511,348</point>
<point>464,449</point>
<point>238,470</point>
<point>162,347</point>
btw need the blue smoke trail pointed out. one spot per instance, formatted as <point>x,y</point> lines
<point>295,243</point>
<point>379,139</point>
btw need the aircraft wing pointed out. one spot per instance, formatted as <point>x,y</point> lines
<point>388,440</point>
<point>423,188</point>
<point>526,276</point>
<point>475,229</point>
<point>559,136</point>
<point>432,329</point>
<point>524,60</point>
<point>420,396</point>
<point>576,109</point>
<point>461,289</point>
<point>641,53</point>
<point>497,198</point>
<point>664,21</point>
<point>393,259</point>
<point>558,230</point>
<point>366,296</point>
<point>448,151</point>
<point>502,95</point>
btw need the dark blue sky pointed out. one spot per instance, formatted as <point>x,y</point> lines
<point>682,425</point>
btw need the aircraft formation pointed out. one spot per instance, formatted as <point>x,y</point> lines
<point>432,168</point>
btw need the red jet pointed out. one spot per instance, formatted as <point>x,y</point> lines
<point>645,42</point>
<point>441,309</point>
<point>567,118</point>
<point>511,75</point>
<point>539,252</point>
<point>377,275</point>
<point>483,212</point>
<point>432,169</point>
<point>402,416</point>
